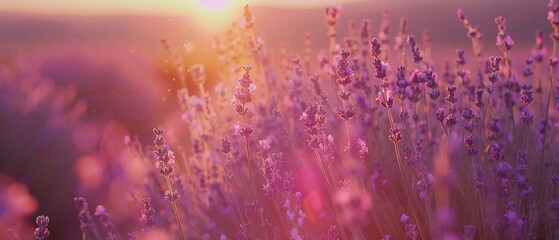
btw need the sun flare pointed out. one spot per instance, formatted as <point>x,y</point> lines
<point>214,4</point>
<point>214,13</point>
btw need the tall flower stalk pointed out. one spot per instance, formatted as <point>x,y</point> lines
<point>165,164</point>
<point>345,75</point>
<point>242,96</point>
<point>553,17</point>
<point>386,100</point>
<point>505,44</point>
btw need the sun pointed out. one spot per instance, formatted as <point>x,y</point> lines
<point>215,14</point>
<point>214,4</point>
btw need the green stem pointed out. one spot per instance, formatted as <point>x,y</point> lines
<point>175,209</point>
<point>249,161</point>
<point>399,160</point>
<point>330,192</point>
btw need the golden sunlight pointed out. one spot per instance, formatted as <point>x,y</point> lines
<point>214,4</point>
<point>215,13</point>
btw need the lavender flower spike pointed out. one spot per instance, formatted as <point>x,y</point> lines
<point>42,232</point>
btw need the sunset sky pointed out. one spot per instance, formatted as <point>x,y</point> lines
<point>149,6</point>
<point>208,13</point>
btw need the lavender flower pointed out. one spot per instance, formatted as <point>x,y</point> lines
<point>147,219</point>
<point>376,48</point>
<point>84,216</point>
<point>103,217</point>
<point>461,60</point>
<point>165,159</point>
<point>332,15</point>
<point>479,177</point>
<point>504,41</point>
<point>197,73</point>
<point>417,58</point>
<point>469,232</point>
<point>225,144</point>
<point>42,232</point>
<point>332,234</point>
<point>363,150</point>
<point>493,68</point>
<point>381,68</point>
<point>410,228</point>
<point>243,91</point>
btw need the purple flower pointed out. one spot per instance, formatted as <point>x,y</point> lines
<point>165,158</point>
<point>469,232</point>
<point>385,103</point>
<point>526,117</point>
<point>103,217</point>
<point>460,15</point>
<point>395,134</point>
<point>410,228</point>
<point>494,64</point>
<point>502,168</point>
<point>84,216</point>
<point>439,115</point>
<point>478,176</point>
<point>332,14</point>
<point>244,89</point>
<point>344,72</point>
<point>376,48</point>
<point>172,196</point>
<point>470,141</point>
<point>363,149</point>
<point>42,232</point>
<point>414,49</point>
<point>417,77</point>
<point>225,144</point>
<point>147,219</point>
<point>346,113</point>
<point>244,131</point>
<point>450,120</point>
<point>197,73</point>
<point>461,60</point>
<point>381,68</point>
<point>467,114</point>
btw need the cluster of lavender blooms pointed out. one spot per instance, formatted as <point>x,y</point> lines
<point>437,154</point>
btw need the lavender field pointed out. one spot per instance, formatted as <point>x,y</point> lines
<point>228,119</point>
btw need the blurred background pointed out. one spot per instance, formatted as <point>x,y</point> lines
<point>77,76</point>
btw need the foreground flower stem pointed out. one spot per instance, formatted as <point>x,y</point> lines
<point>508,74</point>
<point>372,212</point>
<point>235,199</point>
<point>481,125</point>
<point>253,188</point>
<point>399,160</point>
<point>408,133</point>
<point>547,129</point>
<point>175,209</point>
<point>278,211</point>
<point>354,231</point>
<point>249,160</point>
<point>330,191</point>
<point>347,134</point>
<point>426,111</point>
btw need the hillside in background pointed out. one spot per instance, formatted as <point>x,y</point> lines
<point>23,32</point>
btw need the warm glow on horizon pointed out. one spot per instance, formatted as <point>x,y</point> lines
<point>212,14</point>
<point>109,7</point>
<point>214,4</point>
